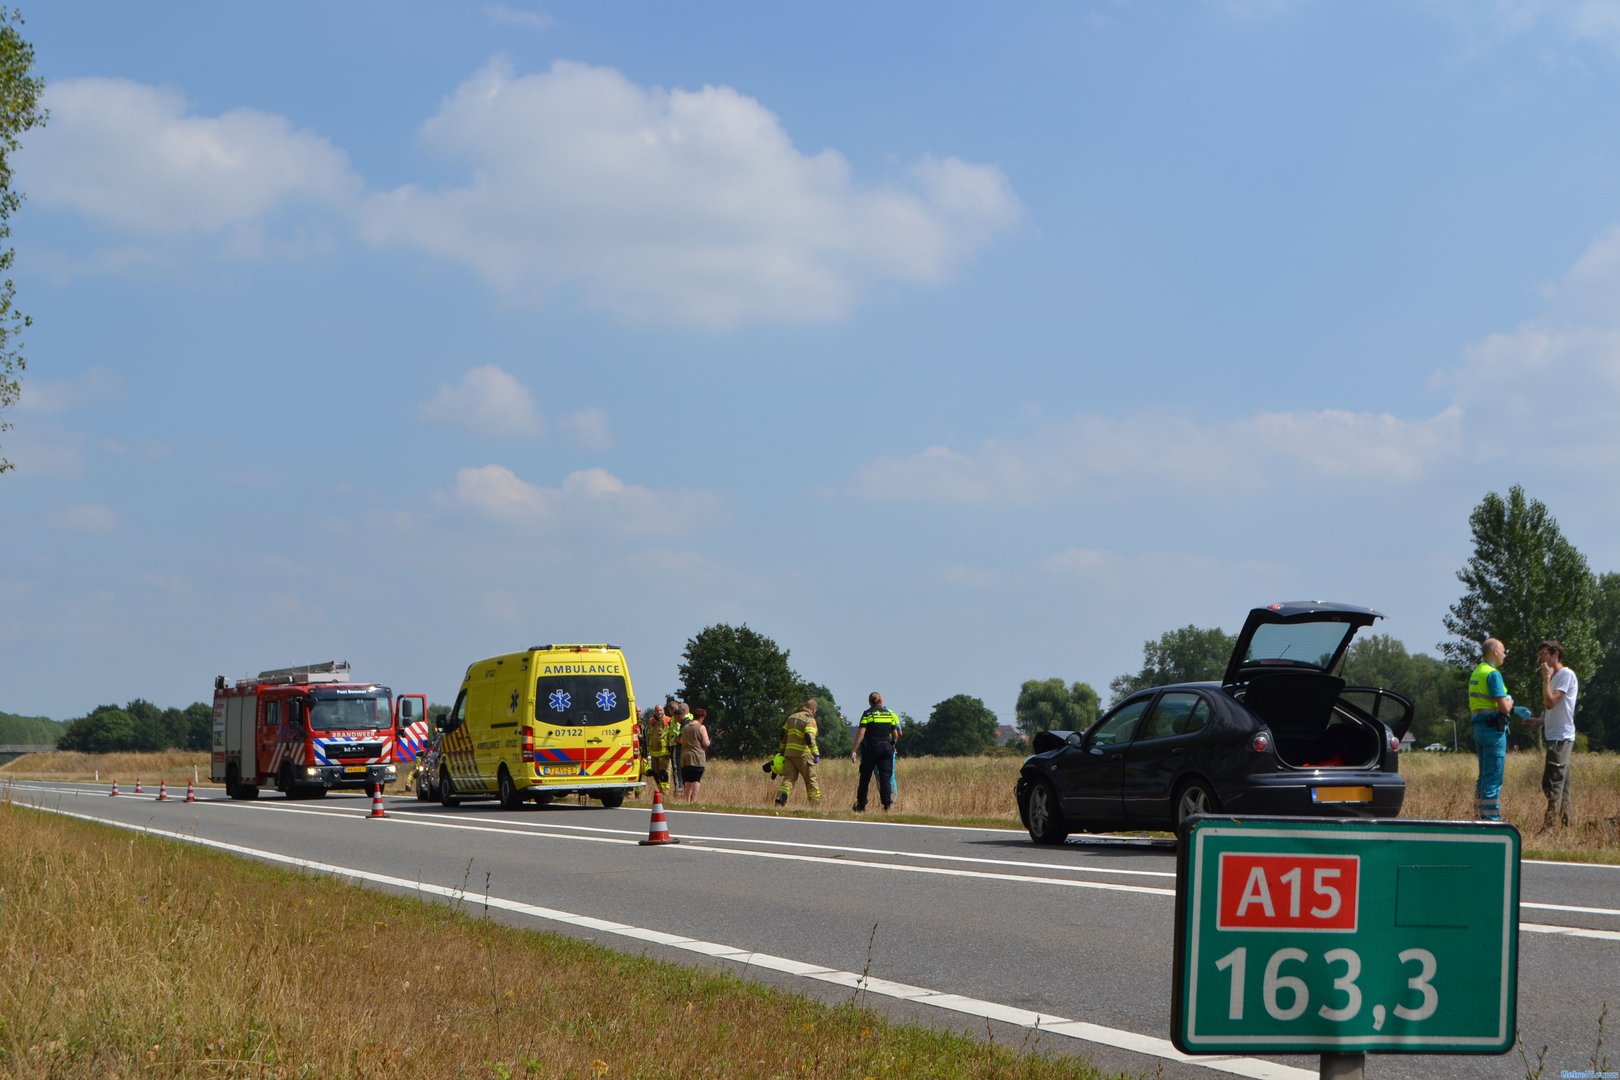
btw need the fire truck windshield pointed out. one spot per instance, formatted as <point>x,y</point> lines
<point>336,710</point>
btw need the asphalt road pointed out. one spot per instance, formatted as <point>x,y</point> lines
<point>1068,948</point>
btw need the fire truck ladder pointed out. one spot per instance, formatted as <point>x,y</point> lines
<point>333,671</point>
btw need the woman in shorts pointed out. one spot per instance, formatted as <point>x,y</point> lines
<point>694,750</point>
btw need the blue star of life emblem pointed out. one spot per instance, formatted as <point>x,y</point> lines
<point>512,706</point>
<point>606,699</point>
<point>560,700</point>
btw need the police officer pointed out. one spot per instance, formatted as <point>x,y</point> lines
<point>1491,709</point>
<point>800,754</point>
<point>874,749</point>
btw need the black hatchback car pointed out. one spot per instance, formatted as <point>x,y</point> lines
<point>1279,734</point>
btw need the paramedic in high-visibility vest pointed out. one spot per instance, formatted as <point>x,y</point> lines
<point>800,754</point>
<point>874,749</point>
<point>1491,709</point>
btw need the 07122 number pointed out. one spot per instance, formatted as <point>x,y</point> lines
<point>1275,986</point>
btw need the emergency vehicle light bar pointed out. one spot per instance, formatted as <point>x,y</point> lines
<point>333,671</point>
<point>576,648</point>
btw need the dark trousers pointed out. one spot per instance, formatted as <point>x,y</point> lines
<point>881,759</point>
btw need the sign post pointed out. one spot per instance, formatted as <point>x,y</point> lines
<point>1344,937</point>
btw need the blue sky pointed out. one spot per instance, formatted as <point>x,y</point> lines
<point>947,345</point>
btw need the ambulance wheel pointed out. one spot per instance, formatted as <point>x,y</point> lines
<point>510,799</point>
<point>447,790</point>
<point>1044,816</point>
<point>612,801</point>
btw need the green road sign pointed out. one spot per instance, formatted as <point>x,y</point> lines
<point>1308,935</point>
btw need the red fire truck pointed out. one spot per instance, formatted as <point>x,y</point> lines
<point>305,731</point>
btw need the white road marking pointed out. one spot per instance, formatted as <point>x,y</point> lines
<point>1092,1033</point>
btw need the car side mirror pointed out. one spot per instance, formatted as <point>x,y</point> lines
<point>1077,739</point>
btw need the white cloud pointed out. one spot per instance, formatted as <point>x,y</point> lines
<point>136,158</point>
<point>689,206</point>
<point>1167,452</point>
<point>592,500</point>
<point>47,397</point>
<point>590,429</point>
<point>505,15</point>
<point>91,518</point>
<point>487,401</point>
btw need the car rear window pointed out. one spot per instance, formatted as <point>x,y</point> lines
<point>1307,644</point>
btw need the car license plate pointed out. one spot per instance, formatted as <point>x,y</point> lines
<point>559,770</point>
<point>355,770</point>
<point>1341,794</point>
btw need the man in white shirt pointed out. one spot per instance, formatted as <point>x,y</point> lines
<point>1558,689</point>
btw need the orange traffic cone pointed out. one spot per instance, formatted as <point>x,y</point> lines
<point>658,831</point>
<point>191,792</point>
<point>376,802</point>
<point>138,790</point>
<point>163,791</point>
<point>114,791</point>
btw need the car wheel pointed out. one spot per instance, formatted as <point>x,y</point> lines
<point>422,793</point>
<point>1195,797</point>
<point>510,799</point>
<point>447,790</point>
<point>1044,816</point>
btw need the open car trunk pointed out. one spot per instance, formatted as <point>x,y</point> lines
<point>1313,727</point>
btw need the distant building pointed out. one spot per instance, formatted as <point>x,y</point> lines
<point>1007,735</point>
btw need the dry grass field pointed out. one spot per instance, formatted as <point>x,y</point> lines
<point>125,956</point>
<point>978,791</point>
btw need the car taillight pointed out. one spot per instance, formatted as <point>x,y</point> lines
<point>1261,743</point>
<point>1391,741</point>
<point>528,745</point>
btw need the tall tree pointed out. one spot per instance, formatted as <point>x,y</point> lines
<point>20,90</point>
<point>1597,706</point>
<point>744,680</point>
<point>1523,584</point>
<point>1191,654</point>
<point>1049,705</point>
<point>957,727</point>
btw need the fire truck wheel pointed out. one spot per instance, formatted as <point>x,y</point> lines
<point>510,799</point>
<point>447,790</point>
<point>284,781</point>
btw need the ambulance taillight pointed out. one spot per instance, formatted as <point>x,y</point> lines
<point>528,745</point>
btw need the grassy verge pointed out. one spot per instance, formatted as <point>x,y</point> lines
<point>125,955</point>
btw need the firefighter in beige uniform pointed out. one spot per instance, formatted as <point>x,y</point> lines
<point>800,754</point>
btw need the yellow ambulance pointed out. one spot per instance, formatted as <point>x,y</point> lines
<point>548,721</point>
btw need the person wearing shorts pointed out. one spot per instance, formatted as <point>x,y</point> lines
<point>693,744</point>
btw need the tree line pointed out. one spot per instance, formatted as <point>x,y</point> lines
<point>1524,583</point>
